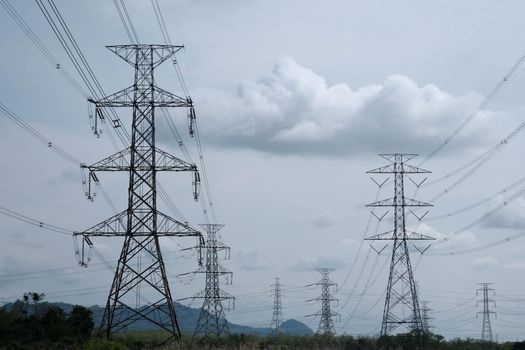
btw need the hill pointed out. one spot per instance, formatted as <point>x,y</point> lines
<point>187,318</point>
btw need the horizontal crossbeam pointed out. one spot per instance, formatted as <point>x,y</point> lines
<point>121,161</point>
<point>117,226</point>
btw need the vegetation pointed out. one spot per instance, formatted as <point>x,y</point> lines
<point>30,323</point>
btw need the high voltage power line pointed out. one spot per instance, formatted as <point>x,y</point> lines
<point>193,122</point>
<point>41,46</point>
<point>36,134</point>
<point>476,204</point>
<point>479,161</point>
<point>488,155</point>
<point>39,223</point>
<point>484,216</point>
<point>116,122</point>
<point>122,10</point>
<point>155,4</point>
<point>96,86</point>
<point>483,104</point>
<point>39,136</point>
<point>83,70</point>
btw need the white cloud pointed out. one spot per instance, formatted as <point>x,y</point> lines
<point>445,242</point>
<point>294,110</point>
<point>484,263</point>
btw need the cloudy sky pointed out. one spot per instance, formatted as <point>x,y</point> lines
<point>295,100</point>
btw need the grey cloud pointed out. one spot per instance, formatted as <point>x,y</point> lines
<point>323,261</point>
<point>292,110</point>
<point>511,216</point>
<point>65,176</point>
<point>324,219</point>
<point>251,260</point>
<point>484,263</point>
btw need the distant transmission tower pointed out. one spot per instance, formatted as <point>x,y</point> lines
<point>212,319</point>
<point>141,272</point>
<point>277,318</point>
<point>326,321</point>
<point>401,303</point>
<point>425,317</point>
<point>486,328</point>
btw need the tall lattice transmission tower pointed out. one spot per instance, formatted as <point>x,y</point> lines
<point>141,274</point>
<point>486,327</point>
<point>401,303</point>
<point>212,319</point>
<point>425,317</point>
<point>326,314</point>
<point>277,318</point>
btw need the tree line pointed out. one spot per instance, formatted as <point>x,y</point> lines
<point>31,323</point>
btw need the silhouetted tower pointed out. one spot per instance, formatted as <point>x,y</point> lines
<point>425,317</point>
<point>212,319</point>
<point>326,321</point>
<point>486,328</point>
<point>140,269</point>
<point>277,318</point>
<point>401,303</point>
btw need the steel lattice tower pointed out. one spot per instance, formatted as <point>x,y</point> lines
<point>326,321</point>
<point>277,318</point>
<point>486,328</point>
<point>401,294</point>
<point>140,268</point>
<point>212,319</point>
<point>425,317</point>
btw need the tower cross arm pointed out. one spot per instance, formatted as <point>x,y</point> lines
<point>127,98</point>
<point>117,226</point>
<point>391,202</point>
<point>114,226</point>
<point>167,226</point>
<point>202,294</point>
<point>398,168</point>
<point>225,295</point>
<point>221,270</point>
<point>160,53</point>
<point>168,162</point>
<point>199,295</point>
<point>121,161</point>
<point>165,98</point>
<point>321,313</point>
<point>221,246</point>
<point>390,236</point>
<point>321,298</point>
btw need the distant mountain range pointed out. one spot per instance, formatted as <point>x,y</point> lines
<point>187,318</point>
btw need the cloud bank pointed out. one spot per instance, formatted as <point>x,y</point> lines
<point>293,110</point>
<point>509,217</point>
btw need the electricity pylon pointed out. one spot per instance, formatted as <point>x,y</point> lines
<point>326,321</point>
<point>277,318</point>
<point>425,317</point>
<point>212,319</point>
<point>140,268</point>
<point>401,294</point>
<point>486,328</point>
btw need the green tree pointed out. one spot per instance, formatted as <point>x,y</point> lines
<point>80,323</point>
<point>52,323</point>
